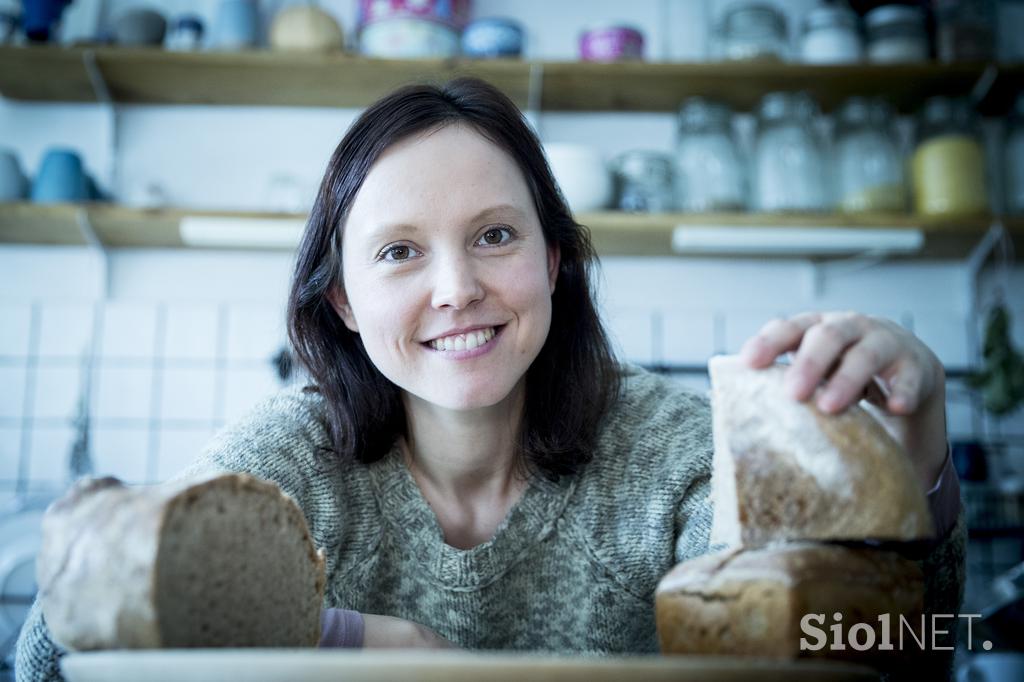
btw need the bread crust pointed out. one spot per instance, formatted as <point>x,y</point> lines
<point>750,602</point>
<point>98,566</point>
<point>783,470</point>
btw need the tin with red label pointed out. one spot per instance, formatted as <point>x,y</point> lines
<point>451,13</point>
<point>611,43</point>
<point>411,29</point>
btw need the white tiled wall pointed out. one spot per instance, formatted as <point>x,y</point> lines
<point>164,376</point>
<point>169,371</point>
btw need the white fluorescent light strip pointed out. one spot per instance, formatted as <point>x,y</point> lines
<point>734,239</point>
<point>248,233</point>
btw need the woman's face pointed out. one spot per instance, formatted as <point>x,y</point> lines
<point>443,236</point>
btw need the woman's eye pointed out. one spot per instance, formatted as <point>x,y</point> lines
<point>398,252</point>
<point>494,235</point>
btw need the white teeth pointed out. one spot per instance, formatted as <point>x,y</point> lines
<point>467,341</point>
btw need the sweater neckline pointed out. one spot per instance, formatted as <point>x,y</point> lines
<point>527,523</point>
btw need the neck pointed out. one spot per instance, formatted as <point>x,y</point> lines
<point>464,453</point>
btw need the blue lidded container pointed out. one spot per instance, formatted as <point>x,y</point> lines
<point>492,37</point>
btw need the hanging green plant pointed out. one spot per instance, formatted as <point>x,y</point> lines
<point>1001,379</point>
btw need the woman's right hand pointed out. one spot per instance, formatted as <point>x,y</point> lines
<point>388,632</point>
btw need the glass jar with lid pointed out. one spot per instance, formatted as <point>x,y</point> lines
<point>1014,159</point>
<point>751,31</point>
<point>789,170</point>
<point>948,164</point>
<point>712,175</point>
<point>868,164</point>
<point>896,33</point>
<point>831,36</point>
<point>645,181</point>
<point>965,30</point>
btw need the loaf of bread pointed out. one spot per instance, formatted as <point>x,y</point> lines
<point>750,602</point>
<point>219,561</point>
<point>783,470</point>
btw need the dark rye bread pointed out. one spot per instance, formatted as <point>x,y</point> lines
<point>219,561</point>
<point>749,602</point>
<point>783,470</point>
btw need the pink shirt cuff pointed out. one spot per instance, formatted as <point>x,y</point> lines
<point>341,629</point>
<point>944,497</point>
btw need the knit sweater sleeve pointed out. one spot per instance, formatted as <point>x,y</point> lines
<point>945,573</point>
<point>36,655</point>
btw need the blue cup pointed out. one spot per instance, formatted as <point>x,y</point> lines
<point>39,18</point>
<point>492,37</point>
<point>13,183</point>
<point>61,178</point>
<point>237,25</point>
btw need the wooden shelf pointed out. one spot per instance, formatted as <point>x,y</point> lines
<point>262,77</point>
<point>613,233</point>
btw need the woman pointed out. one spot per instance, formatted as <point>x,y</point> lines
<point>478,469</point>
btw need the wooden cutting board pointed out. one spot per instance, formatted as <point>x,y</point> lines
<point>314,665</point>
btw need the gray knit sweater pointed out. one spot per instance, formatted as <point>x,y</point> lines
<point>572,568</point>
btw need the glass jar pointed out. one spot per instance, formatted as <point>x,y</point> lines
<point>896,33</point>
<point>789,171</point>
<point>869,168</point>
<point>830,36</point>
<point>712,176</point>
<point>1014,159</point>
<point>948,164</point>
<point>965,30</point>
<point>645,182</point>
<point>752,31</point>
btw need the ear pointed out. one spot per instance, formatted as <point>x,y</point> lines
<point>336,297</point>
<point>554,259</point>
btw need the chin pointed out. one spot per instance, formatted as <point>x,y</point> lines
<point>484,397</point>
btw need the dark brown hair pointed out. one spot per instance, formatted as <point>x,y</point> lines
<point>574,378</point>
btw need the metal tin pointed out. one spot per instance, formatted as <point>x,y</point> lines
<point>611,43</point>
<point>451,13</point>
<point>408,38</point>
<point>493,37</point>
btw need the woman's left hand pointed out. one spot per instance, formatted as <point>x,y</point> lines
<point>858,356</point>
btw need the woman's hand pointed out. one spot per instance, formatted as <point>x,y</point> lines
<point>387,632</point>
<point>858,356</point>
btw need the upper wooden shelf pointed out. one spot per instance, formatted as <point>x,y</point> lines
<point>262,77</point>
<point>613,233</point>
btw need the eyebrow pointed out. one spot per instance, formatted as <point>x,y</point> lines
<point>499,210</point>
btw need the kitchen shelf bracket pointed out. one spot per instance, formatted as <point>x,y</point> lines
<point>103,96</point>
<point>983,86</point>
<point>534,94</point>
<point>98,248</point>
<point>995,238</point>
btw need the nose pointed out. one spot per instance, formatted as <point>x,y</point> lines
<point>456,283</point>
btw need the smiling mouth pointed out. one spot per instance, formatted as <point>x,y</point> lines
<point>467,341</point>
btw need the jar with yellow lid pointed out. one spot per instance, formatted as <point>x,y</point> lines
<point>948,164</point>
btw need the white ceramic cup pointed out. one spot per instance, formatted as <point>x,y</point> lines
<point>582,175</point>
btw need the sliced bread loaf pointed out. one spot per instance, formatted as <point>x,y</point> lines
<point>219,561</point>
<point>783,470</point>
